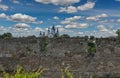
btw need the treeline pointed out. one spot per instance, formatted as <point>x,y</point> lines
<point>9,35</point>
<point>6,36</point>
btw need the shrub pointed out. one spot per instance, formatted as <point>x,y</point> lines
<point>21,73</point>
<point>91,48</point>
<point>44,44</point>
<point>66,73</point>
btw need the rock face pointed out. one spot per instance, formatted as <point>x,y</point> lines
<point>60,53</point>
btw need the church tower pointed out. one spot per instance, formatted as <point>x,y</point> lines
<point>53,30</point>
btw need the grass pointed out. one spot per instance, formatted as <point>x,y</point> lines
<point>21,73</point>
<point>66,73</point>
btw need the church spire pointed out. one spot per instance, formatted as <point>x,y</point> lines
<point>57,32</point>
<point>40,34</point>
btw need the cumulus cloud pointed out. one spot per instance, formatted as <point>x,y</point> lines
<point>80,33</point>
<point>93,18</point>
<point>87,6</point>
<point>15,1</point>
<point>63,30</point>
<point>73,9</point>
<point>69,9</point>
<point>77,25</point>
<point>71,22</point>
<point>65,22</point>
<point>97,17</point>
<point>3,16</point>
<point>38,29</point>
<point>22,25</point>
<point>71,19</point>
<point>0,0</point>
<point>102,28</point>
<point>118,20</point>
<point>40,22</point>
<point>2,28</point>
<point>18,17</point>
<point>3,7</point>
<point>22,18</point>
<point>103,15</point>
<point>58,2</point>
<point>56,18</point>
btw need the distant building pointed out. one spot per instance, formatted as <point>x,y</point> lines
<point>51,32</point>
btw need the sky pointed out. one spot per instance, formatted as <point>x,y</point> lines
<point>100,18</point>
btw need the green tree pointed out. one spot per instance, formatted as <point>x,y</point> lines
<point>86,38</point>
<point>92,37</point>
<point>118,33</point>
<point>65,36</point>
<point>91,48</point>
<point>6,36</point>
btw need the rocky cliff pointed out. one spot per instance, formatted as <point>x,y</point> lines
<point>68,53</point>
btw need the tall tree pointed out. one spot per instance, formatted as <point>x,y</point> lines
<point>6,36</point>
<point>118,33</point>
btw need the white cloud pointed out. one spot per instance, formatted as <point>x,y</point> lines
<point>80,33</point>
<point>18,17</point>
<point>73,9</point>
<point>2,28</point>
<point>60,27</point>
<point>3,7</point>
<point>69,9</point>
<point>103,15</point>
<point>65,22</point>
<point>15,1</point>
<point>104,21</point>
<point>77,25</point>
<point>0,0</point>
<point>62,30</point>
<point>71,22</point>
<point>71,19</point>
<point>102,28</point>
<point>38,22</point>
<point>58,2</point>
<point>92,18</point>
<point>22,25</point>
<point>23,18</point>
<point>97,17</point>
<point>87,6</point>
<point>38,29</point>
<point>3,15</point>
<point>56,18</point>
<point>105,34</point>
<point>118,20</point>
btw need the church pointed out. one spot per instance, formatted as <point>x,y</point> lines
<point>51,32</point>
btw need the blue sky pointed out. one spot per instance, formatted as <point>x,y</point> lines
<point>73,17</point>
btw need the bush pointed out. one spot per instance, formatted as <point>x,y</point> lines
<point>21,73</point>
<point>43,44</point>
<point>65,36</point>
<point>91,48</point>
<point>66,73</point>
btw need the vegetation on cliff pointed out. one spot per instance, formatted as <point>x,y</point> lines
<point>21,73</point>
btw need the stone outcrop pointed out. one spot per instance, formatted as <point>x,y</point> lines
<point>61,53</point>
